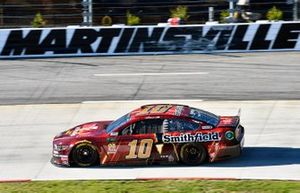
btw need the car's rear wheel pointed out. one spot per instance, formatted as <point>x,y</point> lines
<point>85,155</point>
<point>193,154</point>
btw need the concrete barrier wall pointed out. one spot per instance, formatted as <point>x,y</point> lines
<point>125,40</point>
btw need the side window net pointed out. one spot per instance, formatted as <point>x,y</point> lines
<point>149,126</point>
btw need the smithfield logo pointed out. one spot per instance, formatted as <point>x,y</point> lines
<point>187,137</point>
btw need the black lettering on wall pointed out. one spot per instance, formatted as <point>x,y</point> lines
<point>172,39</point>
<point>16,44</point>
<point>124,40</point>
<point>55,41</point>
<point>224,33</point>
<point>175,37</point>
<point>177,33</point>
<point>287,36</point>
<point>82,40</point>
<point>259,41</point>
<point>237,42</point>
<point>147,39</point>
<point>173,33</point>
<point>195,32</point>
<point>149,42</point>
<point>107,35</point>
<point>197,42</point>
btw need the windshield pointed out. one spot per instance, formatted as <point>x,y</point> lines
<point>204,116</point>
<point>117,123</point>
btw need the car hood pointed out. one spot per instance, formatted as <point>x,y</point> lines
<point>86,129</point>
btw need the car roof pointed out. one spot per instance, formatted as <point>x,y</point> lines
<point>160,110</point>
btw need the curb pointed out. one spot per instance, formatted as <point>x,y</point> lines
<point>14,180</point>
<point>186,178</point>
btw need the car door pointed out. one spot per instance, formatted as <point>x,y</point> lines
<point>134,143</point>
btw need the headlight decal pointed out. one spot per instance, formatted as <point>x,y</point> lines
<point>60,147</point>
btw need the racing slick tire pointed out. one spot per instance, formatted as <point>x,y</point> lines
<point>192,154</point>
<point>84,155</point>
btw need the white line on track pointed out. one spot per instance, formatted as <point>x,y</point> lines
<point>153,74</point>
<point>144,101</point>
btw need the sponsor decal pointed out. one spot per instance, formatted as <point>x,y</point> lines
<point>153,109</point>
<point>164,156</point>
<point>178,110</point>
<point>229,135</point>
<point>79,130</point>
<point>76,131</point>
<point>187,137</point>
<point>227,121</point>
<point>89,126</point>
<point>171,158</point>
<point>159,148</point>
<point>65,159</point>
<point>114,134</point>
<point>206,127</point>
<point>111,148</point>
<point>152,117</point>
<point>151,39</point>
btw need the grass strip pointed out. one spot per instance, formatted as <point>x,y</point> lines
<point>145,186</point>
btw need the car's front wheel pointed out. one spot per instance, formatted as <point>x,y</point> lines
<point>85,155</point>
<point>193,154</point>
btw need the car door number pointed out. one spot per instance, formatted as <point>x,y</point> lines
<point>155,109</point>
<point>144,149</point>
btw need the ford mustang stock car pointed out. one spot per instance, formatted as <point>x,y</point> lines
<point>155,133</point>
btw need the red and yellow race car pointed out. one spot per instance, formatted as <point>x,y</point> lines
<point>152,134</point>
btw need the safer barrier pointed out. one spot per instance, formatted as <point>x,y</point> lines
<point>125,40</point>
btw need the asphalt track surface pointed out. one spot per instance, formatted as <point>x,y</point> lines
<point>247,76</point>
<point>272,145</point>
<point>41,97</point>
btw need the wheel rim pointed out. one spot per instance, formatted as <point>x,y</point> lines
<point>193,154</point>
<point>85,155</point>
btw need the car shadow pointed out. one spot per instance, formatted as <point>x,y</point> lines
<point>250,157</point>
<point>262,156</point>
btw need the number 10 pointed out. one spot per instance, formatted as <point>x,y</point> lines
<point>144,151</point>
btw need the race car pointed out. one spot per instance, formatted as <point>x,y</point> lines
<point>152,134</point>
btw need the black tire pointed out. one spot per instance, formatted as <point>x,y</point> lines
<point>84,155</point>
<point>192,154</point>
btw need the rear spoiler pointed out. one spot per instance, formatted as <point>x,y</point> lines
<point>239,112</point>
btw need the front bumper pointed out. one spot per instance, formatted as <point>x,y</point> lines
<point>60,159</point>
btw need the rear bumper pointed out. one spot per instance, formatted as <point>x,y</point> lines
<point>228,151</point>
